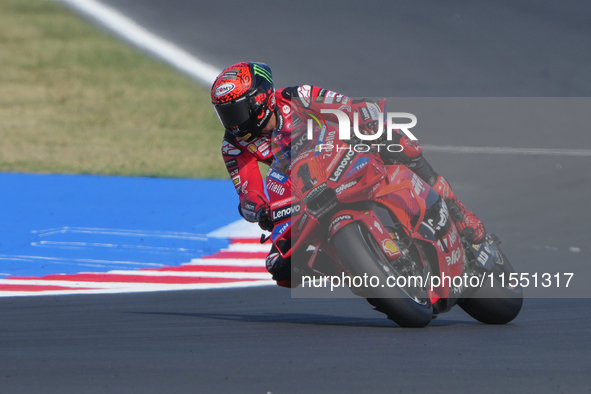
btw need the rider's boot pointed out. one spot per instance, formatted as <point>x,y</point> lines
<point>280,267</point>
<point>469,225</point>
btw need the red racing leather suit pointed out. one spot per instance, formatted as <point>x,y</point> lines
<point>242,157</point>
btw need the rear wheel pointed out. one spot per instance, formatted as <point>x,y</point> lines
<point>495,302</point>
<point>361,255</point>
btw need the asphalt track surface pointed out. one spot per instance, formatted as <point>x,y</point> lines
<point>260,340</point>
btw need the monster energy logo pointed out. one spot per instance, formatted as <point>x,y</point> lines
<point>258,70</point>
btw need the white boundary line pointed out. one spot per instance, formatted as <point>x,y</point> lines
<point>193,274</point>
<point>206,73</point>
<point>137,35</point>
<point>143,288</point>
<point>508,151</point>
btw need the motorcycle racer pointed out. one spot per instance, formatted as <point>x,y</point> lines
<point>250,109</point>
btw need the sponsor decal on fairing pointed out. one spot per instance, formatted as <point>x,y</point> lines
<point>336,223</point>
<point>278,231</point>
<point>345,161</point>
<point>390,248</point>
<point>345,186</point>
<point>359,164</point>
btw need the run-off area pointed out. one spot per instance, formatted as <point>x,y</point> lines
<point>64,234</point>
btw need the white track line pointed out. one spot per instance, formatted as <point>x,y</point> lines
<point>238,229</point>
<point>249,248</point>
<point>121,232</point>
<point>139,288</point>
<point>193,274</point>
<point>206,73</point>
<point>508,151</point>
<point>91,285</point>
<point>140,37</point>
<point>228,262</point>
<point>59,260</point>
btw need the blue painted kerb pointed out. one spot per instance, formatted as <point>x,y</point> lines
<point>73,223</point>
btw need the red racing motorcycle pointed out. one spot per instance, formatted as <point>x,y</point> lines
<point>385,233</point>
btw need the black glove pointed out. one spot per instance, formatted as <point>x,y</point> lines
<point>254,207</point>
<point>265,221</point>
<point>368,115</point>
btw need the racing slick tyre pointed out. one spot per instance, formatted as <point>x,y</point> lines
<point>361,255</point>
<point>494,303</point>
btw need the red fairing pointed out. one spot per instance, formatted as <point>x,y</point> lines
<point>293,106</point>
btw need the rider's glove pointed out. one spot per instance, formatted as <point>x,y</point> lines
<point>368,115</point>
<point>265,221</point>
<point>254,207</point>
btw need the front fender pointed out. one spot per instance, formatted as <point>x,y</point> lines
<point>372,222</point>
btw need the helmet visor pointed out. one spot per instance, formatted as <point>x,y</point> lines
<point>234,114</point>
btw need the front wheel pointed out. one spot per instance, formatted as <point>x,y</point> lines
<point>361,255</point>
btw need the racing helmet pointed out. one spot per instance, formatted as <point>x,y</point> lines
<point>244,98</point>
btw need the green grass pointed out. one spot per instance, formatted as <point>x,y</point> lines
<point>75,100</point>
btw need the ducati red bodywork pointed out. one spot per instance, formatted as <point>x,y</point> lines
<point>321,192</point>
